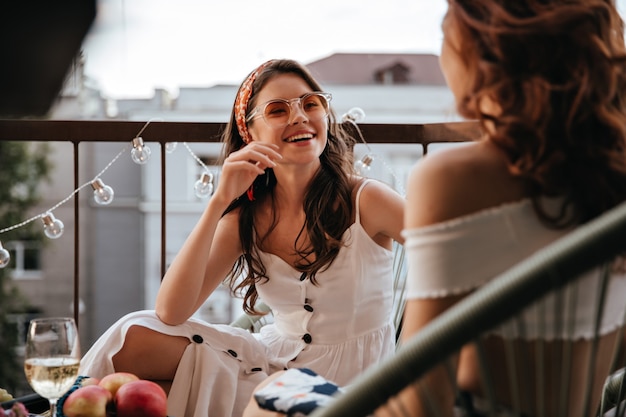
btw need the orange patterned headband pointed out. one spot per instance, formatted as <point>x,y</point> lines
<point>241,102</point>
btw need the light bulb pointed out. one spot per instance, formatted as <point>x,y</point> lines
<point>364,165</point>
<point>102,193</point>
<point>204,186</point>
<point>140,152</point>
<point>170,146</point>
<point>5,256</point>
<point>52,227</point>
<point>354,115</point>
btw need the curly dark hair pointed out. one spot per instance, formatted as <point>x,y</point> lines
<point>327,204</point>
<point>557,69</point>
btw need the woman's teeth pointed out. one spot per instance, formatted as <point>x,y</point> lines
<point>298,138</point>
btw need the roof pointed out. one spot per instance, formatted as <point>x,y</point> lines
<point>378,68</point>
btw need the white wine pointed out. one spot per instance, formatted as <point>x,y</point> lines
<point>51,377</point>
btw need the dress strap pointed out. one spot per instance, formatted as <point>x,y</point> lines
<point>357,218</point>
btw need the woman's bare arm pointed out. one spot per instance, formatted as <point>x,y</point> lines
<point>213,245</point>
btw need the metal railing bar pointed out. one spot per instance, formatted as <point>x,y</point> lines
<point>121,131</point>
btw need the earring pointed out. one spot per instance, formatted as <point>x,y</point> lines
<point>250,193</point>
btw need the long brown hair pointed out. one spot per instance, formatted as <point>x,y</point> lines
<point>327,204</point>
<point>557,69</point>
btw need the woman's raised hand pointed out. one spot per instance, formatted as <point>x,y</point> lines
<point>241,168</point>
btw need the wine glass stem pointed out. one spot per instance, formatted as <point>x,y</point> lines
<point>53,408</point>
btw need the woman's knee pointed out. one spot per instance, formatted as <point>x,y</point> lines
<point>150,354</point>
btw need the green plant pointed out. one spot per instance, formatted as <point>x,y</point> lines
<point>23,166</point>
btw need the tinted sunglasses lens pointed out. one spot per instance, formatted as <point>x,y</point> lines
<point>277,112</point>
<point>315,105</point>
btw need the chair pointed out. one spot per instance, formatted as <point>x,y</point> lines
<point>530,386</point>
<point>254,322</point>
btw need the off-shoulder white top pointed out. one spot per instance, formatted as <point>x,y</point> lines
<point>459,255</point>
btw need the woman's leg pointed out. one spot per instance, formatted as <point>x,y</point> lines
<point>150,355</point>
<point>253,409</point>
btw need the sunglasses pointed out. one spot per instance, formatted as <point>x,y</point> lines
<point>279,112</point>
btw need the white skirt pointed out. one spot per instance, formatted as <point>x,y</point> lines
<point>217,372</point>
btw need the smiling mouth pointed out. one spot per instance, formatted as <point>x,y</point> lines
<point>299,138</point>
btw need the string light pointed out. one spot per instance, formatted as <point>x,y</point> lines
<point>102,193</point>
<point>204,186</point>
<point>5,257</point>
<point>364,165</point>
<point>140,152</point>
<point>52,227</point>
<point>354,115</point>
<point>170,147</point>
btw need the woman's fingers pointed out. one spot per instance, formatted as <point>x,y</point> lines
<point>258,154</point>
<point>265,149</point>
<point>242,167</point>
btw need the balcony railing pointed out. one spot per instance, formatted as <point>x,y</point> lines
<point>79,131</point>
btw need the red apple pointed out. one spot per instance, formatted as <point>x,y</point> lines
<point>141,399</point>
<point>89,401</point>
<point>114,381</point>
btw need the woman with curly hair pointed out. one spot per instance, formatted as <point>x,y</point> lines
<point>289,223</point>
<point>546,80</point>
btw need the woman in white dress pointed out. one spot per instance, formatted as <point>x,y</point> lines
<point>289,222</point>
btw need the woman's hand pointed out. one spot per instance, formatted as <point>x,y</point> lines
<point>241,168</point>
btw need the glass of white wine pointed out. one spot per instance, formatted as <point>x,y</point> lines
<point>52,357</point>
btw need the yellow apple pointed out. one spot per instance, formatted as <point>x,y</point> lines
<point>114,381</point>
<point>4,395</point>
<point>89,381</point>
<point>89,401</point>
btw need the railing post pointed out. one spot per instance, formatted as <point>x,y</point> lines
<point>76,237</point>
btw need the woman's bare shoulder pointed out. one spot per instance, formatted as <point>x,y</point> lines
<point>375,192</point>
<point>458,181</point>
<point>382,210</point>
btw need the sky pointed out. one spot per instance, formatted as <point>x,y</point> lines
<point>135,46</point>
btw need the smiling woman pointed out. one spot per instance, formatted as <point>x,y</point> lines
<point>290,222</point>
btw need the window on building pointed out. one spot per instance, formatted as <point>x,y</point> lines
<point>25,259</point>
<point>398,73</point>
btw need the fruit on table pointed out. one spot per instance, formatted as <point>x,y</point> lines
<point>87,401</point>
<point>114,381</point>
<point>89,381</point>
<point>141,398</point>
<point>120,394</point>
<point>4,395</point>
